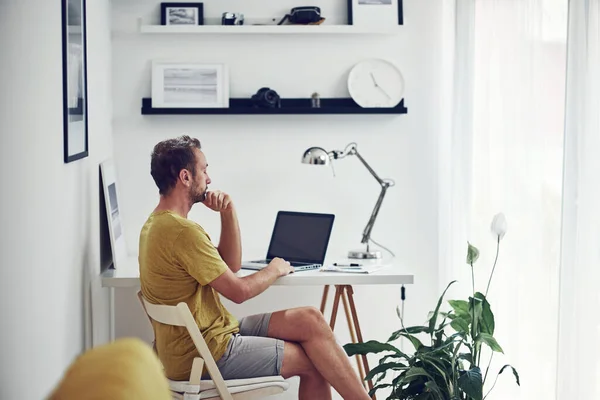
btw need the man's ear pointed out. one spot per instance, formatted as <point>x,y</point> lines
<point>186,177</point>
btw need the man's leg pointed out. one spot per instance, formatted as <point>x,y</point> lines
<point>308,328</point>
<point>296,363</point>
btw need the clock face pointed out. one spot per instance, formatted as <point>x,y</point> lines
<point>376,83</point>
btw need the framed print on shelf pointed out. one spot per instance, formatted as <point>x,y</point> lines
<point>375,13</point>
<point>181,13</point>
<point>189,85</point>
<point>74,76</point>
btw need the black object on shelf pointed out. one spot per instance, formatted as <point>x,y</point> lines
<point>288,106</point>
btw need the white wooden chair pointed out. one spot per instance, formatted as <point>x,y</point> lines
<point>217,388</point>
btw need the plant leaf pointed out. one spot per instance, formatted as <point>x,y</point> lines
<point>490,341</point>
<point>433,389</point>
<point>515,373</point>
<point>372,346</point>
<point>415,372</point>
<point>376,388</point>
<point>433,319</point>
<point>461,307</point>
<point>472,254</point>
<point>466,356</point>
<point>486,321</point>
<point>410,330</point>
<point>383,368</point>
<point>475,309</point>
<point>460,325</point>
<point>471,383</point>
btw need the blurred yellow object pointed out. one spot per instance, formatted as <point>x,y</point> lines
<point>124,369</point>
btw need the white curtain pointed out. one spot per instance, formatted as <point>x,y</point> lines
<point>579,338</point>
<point>502,151</point>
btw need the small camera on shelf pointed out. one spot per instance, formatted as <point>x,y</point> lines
<point>266,98</point>
<point>229,18</point>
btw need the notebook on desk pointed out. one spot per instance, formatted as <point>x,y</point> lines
<point>298,237</point>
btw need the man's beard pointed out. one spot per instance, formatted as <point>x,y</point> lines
<point>196,196</point>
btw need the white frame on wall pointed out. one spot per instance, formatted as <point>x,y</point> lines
<point>220,98</point>
<point>375,13</point>
<point>113,213</point>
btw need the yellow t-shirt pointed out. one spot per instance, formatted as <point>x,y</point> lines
<point>177,262</point>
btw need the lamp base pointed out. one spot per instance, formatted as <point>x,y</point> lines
<point>364,254</point>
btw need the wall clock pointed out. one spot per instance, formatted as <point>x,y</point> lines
<point>376,83</point>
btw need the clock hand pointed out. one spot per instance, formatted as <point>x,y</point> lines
<point>384,92</point>
<point>373,79</point>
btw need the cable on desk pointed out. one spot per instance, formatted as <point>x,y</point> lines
<point>383,247</point>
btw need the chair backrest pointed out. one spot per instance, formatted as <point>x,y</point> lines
<point>180,315</point>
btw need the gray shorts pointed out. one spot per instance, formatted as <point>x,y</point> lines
<point>251,353</point>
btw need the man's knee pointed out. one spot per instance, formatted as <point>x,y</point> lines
<point>314,321</point>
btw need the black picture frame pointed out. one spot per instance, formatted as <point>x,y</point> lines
<point>400,13</point>
<point>74,76</point>
<point>166,5</point>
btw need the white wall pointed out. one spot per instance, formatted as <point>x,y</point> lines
<point>257,158</point>
<point>49,210</point>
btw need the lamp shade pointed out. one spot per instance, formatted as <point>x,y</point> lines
<point>315,155</point>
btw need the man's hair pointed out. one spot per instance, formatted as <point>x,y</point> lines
<point>169,157</point>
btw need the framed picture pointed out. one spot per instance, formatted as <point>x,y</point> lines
<point>74,75</point>
<point>111,201</point>
<point>189,85</point>
<point>375,13</point>
<point>181,14</point>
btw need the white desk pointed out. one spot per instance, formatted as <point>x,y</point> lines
<point>393,273</point>
<point>128,275</point>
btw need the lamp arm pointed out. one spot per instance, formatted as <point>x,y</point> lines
<point>367,231</point>
<point>351,149</point>
<point>354,151</point>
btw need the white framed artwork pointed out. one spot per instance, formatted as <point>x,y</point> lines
<point>375,13</point>
<point>189,85</point>
<point>111,201</point>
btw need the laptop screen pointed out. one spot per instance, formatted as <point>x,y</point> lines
<point>301,237</point>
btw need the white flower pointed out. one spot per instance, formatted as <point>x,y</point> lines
<point>499,225</point>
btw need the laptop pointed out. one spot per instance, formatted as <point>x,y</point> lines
<point>298,237</point>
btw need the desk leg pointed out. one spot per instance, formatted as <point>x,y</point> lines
<point>361,370</point>
<point>347,295</point>
<point>111,314</point>
<point>336,303</point>
<point>324,298</point>
<point>358,331</point>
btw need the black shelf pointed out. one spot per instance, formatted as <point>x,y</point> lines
<point>288,106</point>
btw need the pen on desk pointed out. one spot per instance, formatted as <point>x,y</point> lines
<point>347,265</point>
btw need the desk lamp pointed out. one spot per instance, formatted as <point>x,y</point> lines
<point>319,156</point>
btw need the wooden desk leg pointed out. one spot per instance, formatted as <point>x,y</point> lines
<point>324,298</point>
<point>361,371</point>
<point>336,304</point>
<point>358,331</point>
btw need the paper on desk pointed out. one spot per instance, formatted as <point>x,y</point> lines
<point>366,269</point>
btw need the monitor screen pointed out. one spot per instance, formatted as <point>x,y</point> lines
<point>302,237</point>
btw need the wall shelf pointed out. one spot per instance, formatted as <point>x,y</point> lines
<point>268,29</point>
<point>288,106</point>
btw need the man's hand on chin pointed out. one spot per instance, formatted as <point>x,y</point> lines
<point>218,201</point>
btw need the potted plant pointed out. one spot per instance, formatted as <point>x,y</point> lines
<point>448,366</point>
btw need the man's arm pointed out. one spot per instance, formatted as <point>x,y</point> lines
<point>239,289</point>
<point>230,243</point>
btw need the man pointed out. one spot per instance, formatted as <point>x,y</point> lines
<point>178,262</point>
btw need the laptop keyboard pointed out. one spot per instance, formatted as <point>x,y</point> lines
<point>292,263</point>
